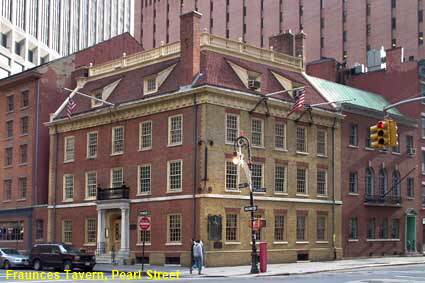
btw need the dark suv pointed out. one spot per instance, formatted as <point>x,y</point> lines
<point>60,256</point>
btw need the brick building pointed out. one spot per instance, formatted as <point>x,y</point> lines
<point>338,29</point>
<point>26,100</point>
<point>165,149</point>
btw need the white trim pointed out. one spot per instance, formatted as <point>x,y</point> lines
<point>173,244</point>
<point>226,141</point>
<point>353,240</point>
<point>140,135</point>
<point>145,84</point>
<point>302,242</point>
<point>139,193</point>
<point>280,243</point>
<point>110,175</point>
<point>146,244</point>
<point>65,145</point>
<point>181,130</point>
<point>382,240</point>
<point>113,140</point>
<point>83,204</point>
<point>181,176</point>
<point>232,243</point>
<point>322,242</point>
<point>88,143</point>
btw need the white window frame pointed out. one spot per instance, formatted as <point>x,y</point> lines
<point>326,182</point>
<point>87,196</point>
<point>262,175</point>
<point>227,141</point>
<point>236,189</point>
<point>115,141</point>
<point>96,103</point>
<point>86,230</point>
<point>305,181</point>
<point>89,156</point>
<point>169,230</point>
<point>261,133</point>
<point>144,136</point>
<point>146,80</point>
<point>68,152</point>
<point>64,187</point>
<point>281,136</point>
<point>168,176</point>
<point>63,231</point>
<point>181,130</point>
<point>305,140</point>
<point>324,154</point>
<point>139,192</point>
<point>285,179</point>
<point>112,174</point>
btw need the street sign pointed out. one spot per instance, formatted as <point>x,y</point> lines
<point>145,223</point>
<point>250,208</point>
<point>259,190</point>
<point>243,185</point>
<point>143,213</point>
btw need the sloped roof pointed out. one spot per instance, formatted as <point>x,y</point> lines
<point>337,92</point>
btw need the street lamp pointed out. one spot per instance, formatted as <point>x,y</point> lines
<point>238,159</point>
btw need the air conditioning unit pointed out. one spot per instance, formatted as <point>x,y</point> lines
<point>254,84</point>
<point>358,69</point>
<point>411,151</point>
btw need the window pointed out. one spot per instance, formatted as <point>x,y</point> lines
<point>145,179</point>
<point>353,135</point>
<point>175,176</point>
<point>24,125</point>
<point>12,231</point>
<point>231,176</point>
<point>95,102</point>
<point>117,140</point>
<point>321,228</point>
<point>175,130</point>
<point>409,144</point>
<point>145,129</point>
<point>393,3</point>
<point>301,226</point>
<point>117,178</point>
<point>395,228</point>
<point>232,128</point>
<point>150,84</point>
<point>301,180</point>
<point>368,29</point>
<point>420,39</point>
<point>368,142</point>
<point>370,228</point>
<point>69,149</point>
<point>7,189</point>
<point>353,234</point>
<point>423,195</point>
<point>10,103</point>
<point>410,187</point>
<point>322,182</point>
<point>24,98</point>
<point>144,236</point>
<point>279,179</point>
<point>257,175</point>
<point>39,231</point>
<point>423,163</point>
<point>321,142</point>
<point>174,228</point>
<point>92,145</point>
<point>396,184</point>
<point>67,231</point>
<point>90,230</point>
<point>396,149</point>
<point>22,185</point>
<point>257,132</point>
<point>369,181</point>
<point>68,187</point>
<point>423,126</point>
<point>383,229</point>
<point>8,156</point>
<point>279,228</point>
<point>301,139</point>
<point>231,227</point>
<point>383,182</point>
<point>23,153</point>
<point>280,130</point>
<point>420,16</point>
<point>344,33</point>
<point>353,183</point>
<point>393,23</point>
<point>9,129</point>
<point>91,184</point>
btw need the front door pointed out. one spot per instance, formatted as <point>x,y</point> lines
<point>411,233</point>
<point>116,234</point>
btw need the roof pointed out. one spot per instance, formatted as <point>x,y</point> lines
<point>337,92</point>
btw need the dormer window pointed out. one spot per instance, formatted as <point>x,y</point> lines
<point>150,85</point>
<point>96,103</point>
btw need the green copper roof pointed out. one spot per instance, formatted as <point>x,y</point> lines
<point>335,92</point>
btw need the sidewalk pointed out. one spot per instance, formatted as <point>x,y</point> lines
<point>272,269</point>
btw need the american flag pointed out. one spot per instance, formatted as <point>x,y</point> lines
<point>71,107</point>
<point>299,102</point>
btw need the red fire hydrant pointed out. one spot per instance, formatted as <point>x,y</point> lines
<point>263,257</point>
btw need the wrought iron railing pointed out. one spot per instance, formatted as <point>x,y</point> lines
<point>122,192</point>
<point>379,199</point>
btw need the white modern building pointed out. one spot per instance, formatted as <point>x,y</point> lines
<point>33,32</point>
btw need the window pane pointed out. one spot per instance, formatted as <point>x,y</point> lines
<point>280,179</point>
<point>91,184</point>
<point>257,132</point>
<point>231,128</point>
<point>175,177</point>
<point>175,129</point>
<point>174,228</point>
<point>145,179</point>
<point>280,135</point>
<point>231,176</point>
<point>146,135</point>
<point>231,227</point>
<point>301,180</point>
<point>301,139</point>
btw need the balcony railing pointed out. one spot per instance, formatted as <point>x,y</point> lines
<point>122,192</point>
<point>383,200</point>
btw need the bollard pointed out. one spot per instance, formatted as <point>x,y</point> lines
<point>263,257</point>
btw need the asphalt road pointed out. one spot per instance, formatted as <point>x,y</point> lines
<point>395,274</point>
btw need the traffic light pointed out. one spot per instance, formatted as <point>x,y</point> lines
<point>392,128</point>
<point>379,135</point>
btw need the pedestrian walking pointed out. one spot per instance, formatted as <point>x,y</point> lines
<point>198,255</point>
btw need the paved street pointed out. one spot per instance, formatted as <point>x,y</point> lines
<point>394,274</point>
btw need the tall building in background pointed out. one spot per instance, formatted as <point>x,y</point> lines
<point>33,32</point>
<point>340,29</point>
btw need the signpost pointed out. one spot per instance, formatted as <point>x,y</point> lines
<point>250,208</point>
<point>144,225</point>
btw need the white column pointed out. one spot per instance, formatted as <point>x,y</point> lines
<point>124,231</point>
<point>100,231</point>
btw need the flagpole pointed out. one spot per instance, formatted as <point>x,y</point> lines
<point>91,97</point>
<point>330,102</point>
<point>73,92</point>
<point>283,91</point>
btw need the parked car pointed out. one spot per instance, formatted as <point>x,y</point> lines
<point>12,258</point>
<point>60,256</point>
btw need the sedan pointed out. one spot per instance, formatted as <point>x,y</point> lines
<point>12,258</point>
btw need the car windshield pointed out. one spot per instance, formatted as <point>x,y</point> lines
<point>10,251</point>
<point>69,249</point>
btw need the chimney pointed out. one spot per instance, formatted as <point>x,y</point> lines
<point>283,42</point>
<point>190,46</point>
<point>300,45</point>
<point>395,57</point>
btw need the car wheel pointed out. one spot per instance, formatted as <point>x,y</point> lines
<point>37,265</point>
<point>67,265</point>
<point>6,265</point>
